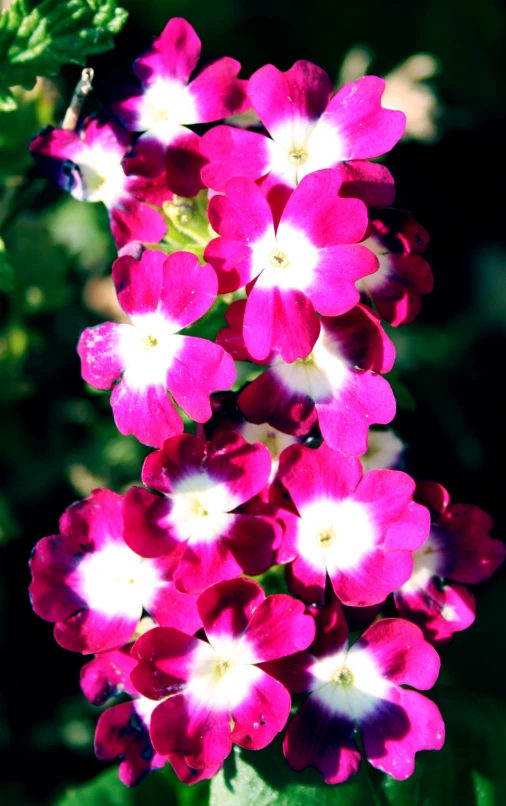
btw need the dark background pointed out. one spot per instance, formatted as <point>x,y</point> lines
<point>57,438</point>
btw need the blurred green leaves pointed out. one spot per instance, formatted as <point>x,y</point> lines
<point>37,41</point>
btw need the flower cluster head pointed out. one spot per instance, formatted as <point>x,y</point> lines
<point>286,242</point>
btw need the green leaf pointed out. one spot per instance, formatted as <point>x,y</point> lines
<point>160,787</point>
<point>37,41</point>
<point>404,398</point>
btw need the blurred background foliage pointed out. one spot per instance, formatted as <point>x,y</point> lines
<point>58,438</point>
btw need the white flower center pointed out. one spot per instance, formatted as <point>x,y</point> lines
<point>426,564</point>
<point>165,106</point>
<point>349,683</point>
<point>102,177</point>
<point>320,375</point>
<point>200,507</point>
<point>147,349</point>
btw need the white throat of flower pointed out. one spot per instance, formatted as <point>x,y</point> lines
<point>285,260</point>
<point>165,106</point>
<point>200,507</point>
<point>147,349</point>
<point>302,146</point>
<point>426,564</point>
<point>349,683</point>
<point>320,375</point>
<point>102,177</point>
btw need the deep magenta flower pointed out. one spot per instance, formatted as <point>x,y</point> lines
<point>403,276</point>
<point>94,587</point>
<point>361,687</point>
<point>162,295</point>
<point>311,128</point>
<point>88,164</point>
<point>202,484</point>
<point>458,551</point>
<point>337,384</point>
<point>162,102</point>
<point>213,692</point>
<point>308,263</point>
<point>122,731</point>
<point>359,530</point>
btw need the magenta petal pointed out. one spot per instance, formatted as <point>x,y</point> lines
<point>101,364</point>
<point>199,368</point>
<point>90,631</point>
<point>323,473</point>
<point>145,516</point>
<point>189,775</point>
<point>267,400</point>
<point>188,290</point>
<point>53,560</point>
<point>173,55</point>
<point>401,652</point>
<point>278,627</point>
<point>170,654</point>
<point>378,574</point>
<point>367,130</point>
<point>233,152</point>
<point>406,525</point>
<point>243,467</point>
<point>108,675</point>
<point>194,728</point>
<point>148,414</point>
<point>464,531</point>
<point>131,220</point>
<point>226,608</point>
<point>338,220</point>
<point>281,99</point>
<point>242,214</point>
<point>318,738</point>
<point>252,540</point>
<point>171,608</point>
<point>203,564</point>
<point>281,318</point>
<point>262,713</point>
<point>370,182</point>
<point>306,581</point>
<point>360,339</point>
<point>232,262</point>
<point>147,157</point>
<point>332,289</point>
<point>139,283</point>
<point>183,163</point>
<point>218,92</point>
<point>123,733</point>
<point>180,457</point>
<point>401,726</point>
<point>292,671</point>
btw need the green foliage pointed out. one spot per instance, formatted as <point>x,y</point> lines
<point>6,273</point>
<point>37,41</point>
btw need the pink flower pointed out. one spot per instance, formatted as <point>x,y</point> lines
<point>94,587</point>
<point>208,686</point>
<point>308,263</point>
<point>311,128</point>
<point>359,530</point>
<point>88,164</point>
<point>146,358</point>
<point>123,730</point>
<point>459,549</point>
<point>403,276</point>
<point>195,518</point>
<point>162,101</point>
<point>337,384</point>
<point>361,687</point>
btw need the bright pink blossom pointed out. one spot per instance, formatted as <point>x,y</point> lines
<point>213,692</point>
<point>88,164</point>
<point>459,551</point>
<point>142,360</point>
<point>311,128</point>
<point>336,385</point>
<point>403,275</point>
<point>202,484</point>
<point>94,587</point>
<point>162,102</point>
<point>359,530</point>
<point>361,687</point>
<point>308,263</point>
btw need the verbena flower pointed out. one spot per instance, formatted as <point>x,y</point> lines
<point>89,165</point>
<point>213,692</point>
<point>142,360</point>
<point>458,551</point>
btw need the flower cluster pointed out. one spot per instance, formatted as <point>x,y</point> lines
<point>300,242</point>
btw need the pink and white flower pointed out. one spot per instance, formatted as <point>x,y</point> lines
<point>213,692</point>
<point>94,587</point>
<point>122,731</point>
<point>311,128</point>
<point>308,263</point>
<point>336,385</point>
<point>403,275</point>
<point>162,102</point>
<point>359,530</point>
<point>89,165</point>
<point>362,687</point>
<point>142,360</point>
<point>458,551</point>
<point>195,519</point>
